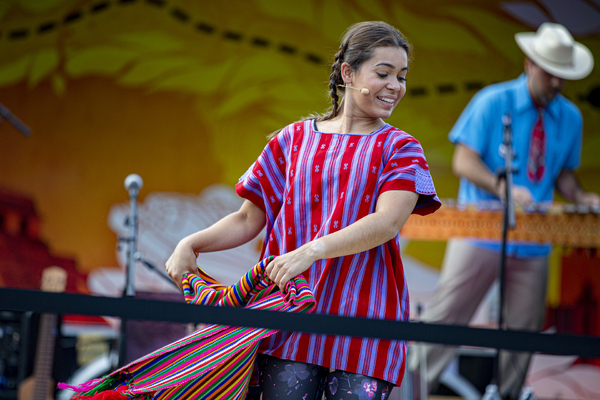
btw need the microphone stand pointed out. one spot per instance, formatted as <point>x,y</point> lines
<point>5,114</point>
<point>132,222</point>
<point>133,183</point>
<point>508,222</point>
<point>138,257</point>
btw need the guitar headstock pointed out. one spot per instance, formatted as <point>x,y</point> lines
<point>54,279</point>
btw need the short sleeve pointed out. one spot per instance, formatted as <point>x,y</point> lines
<point>471,127</point>
<point>264,182</point>
<point>407,169</point>
<point>573,159</point>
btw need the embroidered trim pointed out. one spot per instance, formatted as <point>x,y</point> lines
<point>423,182</point>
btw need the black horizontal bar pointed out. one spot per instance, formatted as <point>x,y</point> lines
<point>72,17</point>
<point>180,15</point>
<point>446,88</point>
<point>285,48</point>
<point>18,34</point>
<point>230,35</point>
<point>470,86</point>
<point>314,58</point>
<point>262,42</point>
<point>418,91</point>
<point>103,6</point>
<point>131,308</point>
<point>157,3</point>
<point>46,27</point>
<point>205,27</point>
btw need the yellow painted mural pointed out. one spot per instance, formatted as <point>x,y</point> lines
<point>184,92</point>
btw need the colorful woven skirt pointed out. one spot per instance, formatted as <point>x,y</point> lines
<point>215,362</point>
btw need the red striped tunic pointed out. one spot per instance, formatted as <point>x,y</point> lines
<point>310,184</point>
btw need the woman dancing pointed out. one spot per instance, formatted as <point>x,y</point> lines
<point>333,192</point>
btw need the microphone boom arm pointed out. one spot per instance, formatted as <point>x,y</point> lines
<point>14,121</point>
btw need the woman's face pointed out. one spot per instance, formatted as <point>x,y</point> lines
<point>385,77</point>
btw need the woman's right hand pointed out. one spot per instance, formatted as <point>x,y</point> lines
<point>182,261</point>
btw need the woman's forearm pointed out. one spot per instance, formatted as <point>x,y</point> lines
<point>393,209</point>
<point>365,234</point>
<point>372,230</point>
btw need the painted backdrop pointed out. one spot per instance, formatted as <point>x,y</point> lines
<point>184,92</point>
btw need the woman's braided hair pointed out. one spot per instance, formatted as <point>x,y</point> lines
<point>358,45</point>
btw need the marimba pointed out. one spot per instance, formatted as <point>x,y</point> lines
<point>556,223</point>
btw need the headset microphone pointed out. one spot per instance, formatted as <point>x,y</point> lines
<point>364,91</point>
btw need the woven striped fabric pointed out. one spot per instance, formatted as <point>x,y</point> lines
<point>216,361</point>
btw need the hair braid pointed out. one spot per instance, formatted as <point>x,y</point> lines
<point>335,79</point>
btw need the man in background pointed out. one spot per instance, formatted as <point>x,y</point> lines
<point>547,136</point>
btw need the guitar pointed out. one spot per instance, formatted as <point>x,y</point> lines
<point>40,386</point>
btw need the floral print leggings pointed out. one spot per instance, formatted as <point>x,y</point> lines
<point>295,380</point>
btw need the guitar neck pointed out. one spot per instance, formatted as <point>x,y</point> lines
<point>44,356</point>
<point>54,279</point>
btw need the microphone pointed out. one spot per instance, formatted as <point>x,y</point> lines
<point>133,183</point>
<point>364,91</point>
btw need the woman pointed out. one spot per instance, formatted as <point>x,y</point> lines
<point>334,192</point>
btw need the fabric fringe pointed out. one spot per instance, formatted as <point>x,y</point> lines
<point>110,387</point>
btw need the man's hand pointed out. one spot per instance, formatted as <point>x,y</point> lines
<point>588,199</point>
<point>568,185</point>
<point>521,195</point>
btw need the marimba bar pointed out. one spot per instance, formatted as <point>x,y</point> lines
<point>556,223</point>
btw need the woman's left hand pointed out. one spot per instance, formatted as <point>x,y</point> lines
<point>287,266</point>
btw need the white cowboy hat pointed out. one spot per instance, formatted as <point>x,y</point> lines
<point>553,48</point>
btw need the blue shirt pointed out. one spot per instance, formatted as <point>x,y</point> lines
<point>480,128</point>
